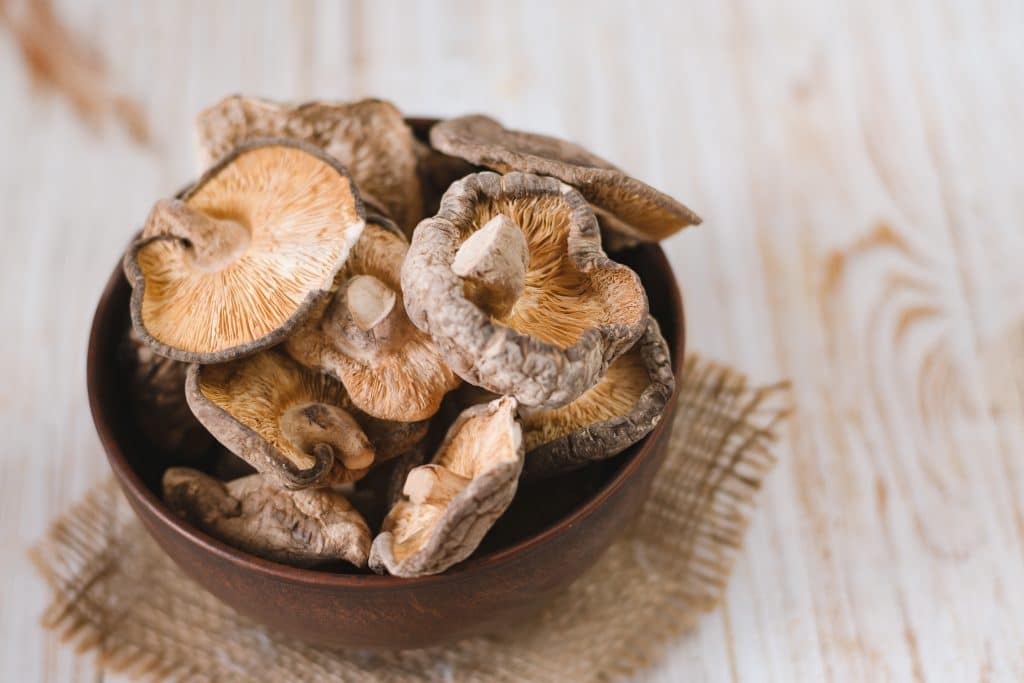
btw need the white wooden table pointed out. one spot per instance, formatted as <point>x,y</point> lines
<point>859,170</point>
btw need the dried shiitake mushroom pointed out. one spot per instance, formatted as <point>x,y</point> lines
<point>510,281</point>
<point>437,171</point>
<point>281,418</point>
<point>635,210</point>
<point>255,514</point>
<point>622,408</point>
<point>451,503</point>
<point>363,337</point>
<point>241,258</point>
<point>156,388</point>
<point>369,137</point>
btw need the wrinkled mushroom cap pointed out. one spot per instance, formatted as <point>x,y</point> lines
<point>363,337</point>
<point>450,504</point>
<point>577,312</point>
<point>241,258</point>
<point>622,408</point>
<point>369,137</point>
<point>283,419</point>
<point>156,389</point>
<point>643,213</point>
<point>254,514</point>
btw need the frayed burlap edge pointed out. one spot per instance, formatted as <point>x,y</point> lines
<point>116,595</point>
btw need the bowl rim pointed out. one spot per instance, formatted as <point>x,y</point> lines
<point>130,479</point>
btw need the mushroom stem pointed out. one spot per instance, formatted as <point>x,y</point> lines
<point>433,484</point>
<point>214,242</point>
<point>369,301</point>
<point>315,425</point>
<point>363,318</point>
<point>493,262</point>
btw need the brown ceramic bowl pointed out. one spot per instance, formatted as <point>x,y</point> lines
<point>553,532</point>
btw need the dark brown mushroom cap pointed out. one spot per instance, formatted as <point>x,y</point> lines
<point>273,223</point>
<point>452,503</point>
<point>622,408</point>
<point>369,137</point>
<point>390,438</point>
<point>283,419</point>
<point>643,213</point>
<point>156,389</point>
<point>254,514</point>
<point>392,370</point>
<point>577,313</point>
<point>437,172</point>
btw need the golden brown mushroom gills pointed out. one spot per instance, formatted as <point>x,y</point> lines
<point>558,302</point>
<point>268,394</point>
<point>480,442</point>
<point>614,395</point>
<point>255,239</point>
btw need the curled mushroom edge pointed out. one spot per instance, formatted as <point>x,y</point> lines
<point>449,504</point>
<point>240,258</point>
<point>281,418</point>
<point>623,407</point>
<point>635,211</point>
<point>547,341</point>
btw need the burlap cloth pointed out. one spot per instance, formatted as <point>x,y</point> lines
<point>116,594</point>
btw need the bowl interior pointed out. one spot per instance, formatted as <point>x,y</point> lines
<point>539,506</point>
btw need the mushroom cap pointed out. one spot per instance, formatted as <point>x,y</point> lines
<point>369,137</point>
<point>281,418</point>
<point>391,438</point>
<point>437,171</point>
<point>472,480</point>
<point>622,408</point>
<point>644,213</point>
<point>578,312</point>
<point>156,387</point>
<point>254,514</point>
<point>300,214</point>
<point>392,371</point>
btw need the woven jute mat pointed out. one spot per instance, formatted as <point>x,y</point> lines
<point>117,595</point>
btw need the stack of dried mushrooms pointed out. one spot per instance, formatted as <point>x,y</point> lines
<point>296,301</point>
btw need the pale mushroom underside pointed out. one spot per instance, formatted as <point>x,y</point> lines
<point>483,455</point>
<point>301,219</point>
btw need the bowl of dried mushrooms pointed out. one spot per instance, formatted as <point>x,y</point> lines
<point>387,382</point>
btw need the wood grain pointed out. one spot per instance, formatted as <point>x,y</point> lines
<point>856,164</point>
